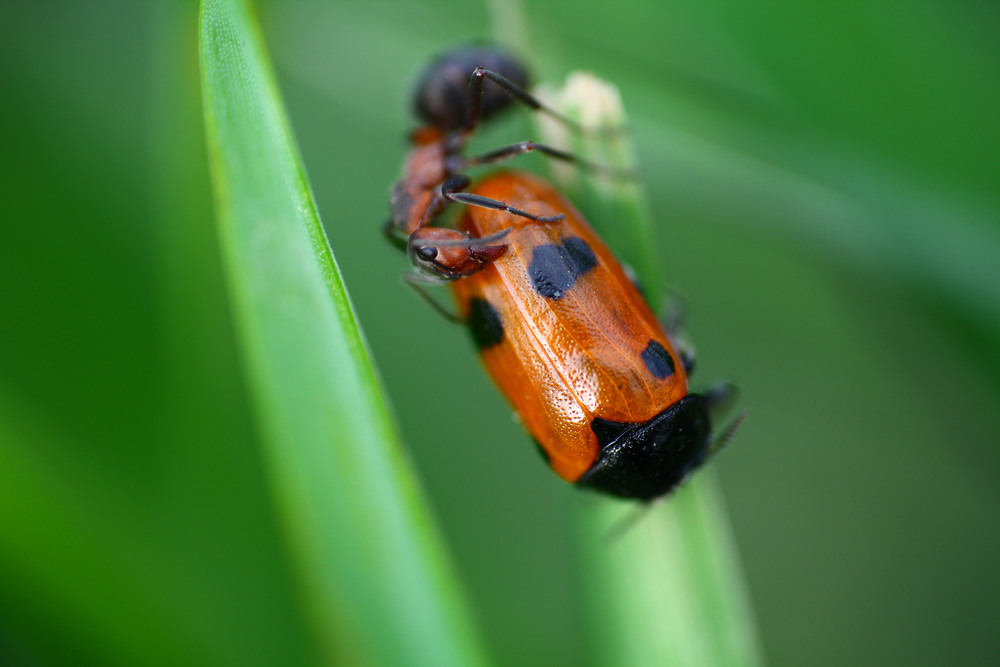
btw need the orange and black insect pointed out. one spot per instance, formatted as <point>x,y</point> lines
<point>565,334</point>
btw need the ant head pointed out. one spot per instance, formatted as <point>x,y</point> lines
<point>448,254</point>
<point>439,252</point>
<point>441,94</point>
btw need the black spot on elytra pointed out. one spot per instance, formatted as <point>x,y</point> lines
<point>555,267</point>
<point>658,360</point>
<point>484,323</point>
<point>583,257</point>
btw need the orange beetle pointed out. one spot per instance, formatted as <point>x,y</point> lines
<point>575,348</point>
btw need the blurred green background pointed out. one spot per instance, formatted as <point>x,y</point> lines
<point>824,178</point>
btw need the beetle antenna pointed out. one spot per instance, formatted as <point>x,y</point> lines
<point>722,439</point>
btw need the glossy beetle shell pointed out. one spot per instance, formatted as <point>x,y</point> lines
<point>569,339</point>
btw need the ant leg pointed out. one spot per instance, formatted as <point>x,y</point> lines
<point>417,282</point>
<point>391,232</point>
<point>507,152</point>
<point>475,101</point>
<point>450,190</point>
<point>456,241</point>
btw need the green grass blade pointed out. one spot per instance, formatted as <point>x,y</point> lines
<point>667,590</point>
<point>374,578</point>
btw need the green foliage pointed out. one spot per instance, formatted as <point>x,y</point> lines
<point>372,574</point>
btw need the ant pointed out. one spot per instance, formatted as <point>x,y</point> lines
<point>452,98</point>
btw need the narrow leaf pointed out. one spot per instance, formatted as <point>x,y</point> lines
<point>374,578</point>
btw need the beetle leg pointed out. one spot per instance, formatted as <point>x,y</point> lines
<point>720,397</point>
<point>672,322</point>
<point>722,438</point>
<point>685,350</point>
